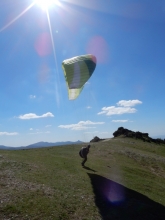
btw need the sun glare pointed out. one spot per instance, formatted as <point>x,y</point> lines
<point>45,4</point>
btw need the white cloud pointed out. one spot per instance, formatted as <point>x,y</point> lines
<point>104,132</point>
<point>124,107</point>
<point>91,132</point>
<point>122,121</point>
<point>90,123</point>
<point>8,133</point>
<point>33,115</point>
<point>82,125</point>
<point>31,129</point>
<point>75,127</point>
<point>128,103</point>
<point>79,128</point>
<point>112,110</point>
<point>38,132</point>
<point>32,96</point>
<point>88,107</point>
<point>48,126</point>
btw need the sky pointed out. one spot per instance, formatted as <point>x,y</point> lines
<point>126,89</point>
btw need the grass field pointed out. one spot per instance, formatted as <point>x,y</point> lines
<point>123,179</point>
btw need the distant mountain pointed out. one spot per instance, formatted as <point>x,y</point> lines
<point>5,147</point>
<point>40,145</point>
<point>48,144</point>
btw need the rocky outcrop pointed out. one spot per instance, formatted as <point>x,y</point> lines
<point>96,139</point>
<point>137,135</point>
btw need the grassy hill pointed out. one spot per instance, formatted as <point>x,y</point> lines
<point>124,179</point>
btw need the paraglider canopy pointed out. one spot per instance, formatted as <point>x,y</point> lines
<point>77,71</point>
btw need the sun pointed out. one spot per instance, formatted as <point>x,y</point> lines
<point>45,4</point>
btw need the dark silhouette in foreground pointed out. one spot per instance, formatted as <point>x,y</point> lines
<point>118,202</point>
<point>83,153</point>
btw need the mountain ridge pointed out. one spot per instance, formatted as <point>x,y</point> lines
<point>41,144</point>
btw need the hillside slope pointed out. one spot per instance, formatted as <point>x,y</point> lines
<point>124,179</point>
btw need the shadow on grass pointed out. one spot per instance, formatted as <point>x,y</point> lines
<point>88,168</point>
<point>115,201</point>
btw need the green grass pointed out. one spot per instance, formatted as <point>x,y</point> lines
<point>49,183</point>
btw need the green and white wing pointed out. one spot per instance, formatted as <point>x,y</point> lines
<point>77,71</point>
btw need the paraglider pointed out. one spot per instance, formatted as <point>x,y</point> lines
<point>77,71</point>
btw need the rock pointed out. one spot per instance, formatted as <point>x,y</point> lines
<point>138,135</point>
<point>96,139</point>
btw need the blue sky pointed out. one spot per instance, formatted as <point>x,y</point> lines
<point>126,89</point>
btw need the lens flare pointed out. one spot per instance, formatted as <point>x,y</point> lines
<point>43,44</point>
<point>114,192</point>
<point>45,4</point>
<point>98,46</point>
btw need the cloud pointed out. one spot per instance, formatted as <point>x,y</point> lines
<point>48,126</point>
<point>90,132</point>
<point>33,116</point>
<point>41,132</point>
<point>38,132</point>
<point>88,107</point>
<point>122,121</point>
<point>75,127</point>
<point>112,110</point>
<point>32,96</point>
<point>128,103</point>
<point>8,133</point>
<point>82,125</point>
<point>125,107</point>
<point>31,129</point>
